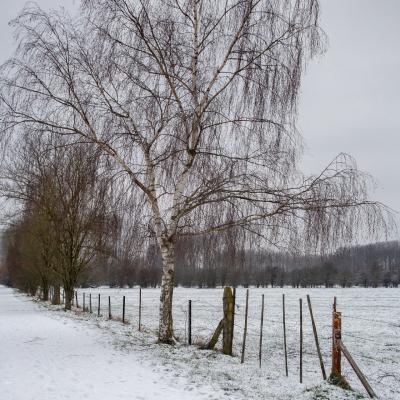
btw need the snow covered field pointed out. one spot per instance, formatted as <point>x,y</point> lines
<point>370,327</point>
<point>47,353</point>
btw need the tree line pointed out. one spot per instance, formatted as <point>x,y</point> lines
<point>201,266</point>
<point>137,130</point>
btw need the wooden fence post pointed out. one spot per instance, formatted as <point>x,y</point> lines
<point>76,299</point>
<point>190,322</point>
<point>336,337</point>
<point>314,327</point>
<point>140,309</point>
<point>245,326</point>
<point>284,333</point>
<point>357,370</point>
<point>261,330</point>
<point>301,340</point>
<point>98,306</point>
<point>90,303</point>
<point>228,315</point>
<point>123,309</point>
<point>214,338</point>
<point>83,302</point>
<point>109,308</point>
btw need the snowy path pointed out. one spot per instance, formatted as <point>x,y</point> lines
<point>45,358</point>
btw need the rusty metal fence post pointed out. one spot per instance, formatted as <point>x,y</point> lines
<point>336,338</point>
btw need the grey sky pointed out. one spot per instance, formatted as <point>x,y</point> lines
<point>350,97</point>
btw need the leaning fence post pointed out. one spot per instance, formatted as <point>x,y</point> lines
<point>284,333</point>
<point>261,329</point>
<point>336,337</point>
<point>109,308</point>
<point>321,361</point>
<point>76,299</point>
<point>98,306</point>
<point>190,322</point>
<point>357,370</point>
<point>140,309</point>
<point>123,309</point>
<point>301,340</point>
<point>245,326</point>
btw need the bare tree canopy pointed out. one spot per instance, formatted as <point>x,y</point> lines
<point>67,216</point>
<point>196,101</point>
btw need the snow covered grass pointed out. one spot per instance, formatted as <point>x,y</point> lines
<point>371,331</point>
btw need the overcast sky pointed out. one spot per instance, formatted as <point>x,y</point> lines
<point>350,97</point>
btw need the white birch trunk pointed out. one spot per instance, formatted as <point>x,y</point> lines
<point>165,333</point>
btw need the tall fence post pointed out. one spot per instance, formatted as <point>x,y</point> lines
<point>261,330</point>
<point>336,337</point>
<point>140,309</point>
<point>301,340</point>
<point>245,326</point>
<point>83,302</point>
<point>228,315</point>
<point>98,306</point>
<point>314,327</point>
<point>233,320</point>
<point>90,303</point>
<point>284,333</point>
<point>123,309</point>
<point>109,308</point>
<point>190,322</point>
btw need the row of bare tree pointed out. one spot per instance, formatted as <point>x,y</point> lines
<point>63,218</point>
<point>373,265</point>
<point>179,116</point>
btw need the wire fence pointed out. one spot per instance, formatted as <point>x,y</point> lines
<point>371,325</point>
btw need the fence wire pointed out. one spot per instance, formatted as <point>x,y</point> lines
<point>370,330</point>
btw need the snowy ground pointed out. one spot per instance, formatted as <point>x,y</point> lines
<point>46,353</point>
<point>45,356</point>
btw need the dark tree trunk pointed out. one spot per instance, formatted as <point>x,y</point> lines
<point>56,298</point>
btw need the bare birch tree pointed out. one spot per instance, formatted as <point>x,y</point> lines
<point>196,101</point>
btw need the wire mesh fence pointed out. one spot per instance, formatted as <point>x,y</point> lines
<point>371,324</point>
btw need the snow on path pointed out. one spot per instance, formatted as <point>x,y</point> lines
<point>46,358</point>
